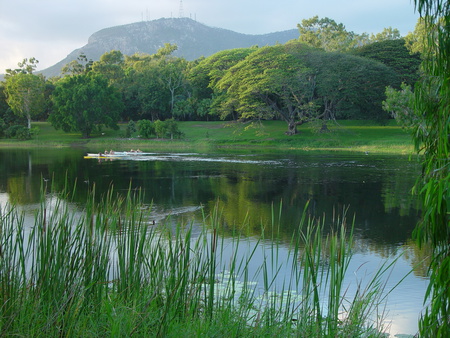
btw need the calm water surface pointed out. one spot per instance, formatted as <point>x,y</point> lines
<point>248,188</point>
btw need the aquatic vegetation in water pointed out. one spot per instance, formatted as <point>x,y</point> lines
<point>105,271</point>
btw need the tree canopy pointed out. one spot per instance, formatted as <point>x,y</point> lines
<point>298,83</point>
<point>326,34</point>
<point>84,103</point>
<point>25,94</point>
<point>395,54</point>
<point>269,82</point>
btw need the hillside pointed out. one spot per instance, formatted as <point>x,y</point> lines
<point>192,38</point>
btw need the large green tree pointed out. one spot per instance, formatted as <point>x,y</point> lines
<point>204,76</point>
<point>111,66</point>
<point>25,95</point>
<point>348,86</point>
<point>84,103</point>
<point>298,83</point>
<point>153,83</point>
<point>272,82</point>
<point>327,34</point>
<point>172,77</point>
<point>393,53</point>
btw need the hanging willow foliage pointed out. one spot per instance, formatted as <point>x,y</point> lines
<point>432,141</point>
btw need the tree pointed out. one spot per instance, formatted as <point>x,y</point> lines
<point>172,77</point>
<point>27,66</point>
<point>326,34</point>
<point>131,128</point>
<point>432,102</point>
<point>400,104</point>
<point>272,81</point>
<point>25,94</point>
<point>394,54</point>
<point>348,86</point>
<point>416,41</point>
<point>146,128</point>
<point>153,83</point>
<point>160,128</point>
<point>110,66</point>
<point>386,35</point>
<point>204,76</point>
<point>298,83</point>
<point>154,100</point>
<point>84,103</point>
<point>79,66</point>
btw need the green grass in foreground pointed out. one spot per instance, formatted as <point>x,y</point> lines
<point>107,272</point>
<point>354,136</point>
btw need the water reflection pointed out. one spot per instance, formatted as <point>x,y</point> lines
<point>251,191</point>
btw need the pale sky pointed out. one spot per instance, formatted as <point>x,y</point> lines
<point>49,30</point>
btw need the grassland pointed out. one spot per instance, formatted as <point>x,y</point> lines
<point>353,136</point>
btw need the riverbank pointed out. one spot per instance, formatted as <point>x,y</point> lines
<point>351,136</point>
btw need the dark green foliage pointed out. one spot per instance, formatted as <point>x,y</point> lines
<point>131,128</point>
<point>2,127</point>
<point>85,103</point>
<point>10,125</point>
<point>394,54</point>
<point>297,84</point>
<point>272,82</point>
<point>205,75</point>
<point>3,104</point>
<point>19,132</point>
<point>168,128</point>
<point>146,128</point>
<point>350,87</point>
<point>160,129</point>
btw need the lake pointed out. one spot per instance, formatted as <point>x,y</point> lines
<point>255,190</point>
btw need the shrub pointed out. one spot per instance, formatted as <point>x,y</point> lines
<point>19,132</point>
<point>2,127</point>
<point>168,128</point>
<point>146,128</point>
<point>131,128</point>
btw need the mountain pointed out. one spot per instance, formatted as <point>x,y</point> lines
<point>192,38</point>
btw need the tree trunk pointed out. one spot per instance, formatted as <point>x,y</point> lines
<point>324,128</point>
<point>292,128</point>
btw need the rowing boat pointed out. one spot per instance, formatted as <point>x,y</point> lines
<point>101,155</point>
<point>116,154</point>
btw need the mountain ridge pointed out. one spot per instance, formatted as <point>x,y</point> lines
<point>192,38</point>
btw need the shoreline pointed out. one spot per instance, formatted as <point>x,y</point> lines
<point>349,136</point>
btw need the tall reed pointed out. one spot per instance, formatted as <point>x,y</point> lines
<point>107,270</point>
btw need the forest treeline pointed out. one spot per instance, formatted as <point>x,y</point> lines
<point>327,73</point>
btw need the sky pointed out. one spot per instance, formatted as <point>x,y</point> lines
<point>49,30</point>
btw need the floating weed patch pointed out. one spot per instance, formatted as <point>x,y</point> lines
<point>104,271</point>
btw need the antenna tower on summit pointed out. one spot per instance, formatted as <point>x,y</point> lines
<point>181,9</point>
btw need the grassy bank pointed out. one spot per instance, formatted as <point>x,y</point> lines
<point>107,271</point>
<point>353,136</point>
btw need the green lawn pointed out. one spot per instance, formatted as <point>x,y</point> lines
<point>359,136</point>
